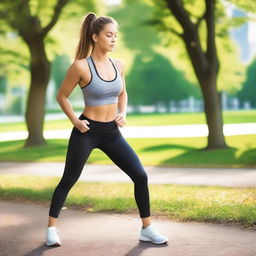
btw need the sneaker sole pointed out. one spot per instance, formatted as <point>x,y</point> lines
<point>144,239</point>
<point>53,245</point>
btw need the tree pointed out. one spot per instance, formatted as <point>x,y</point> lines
<point>202,52</point>
<point>197,31</point>
<point>205,64</point>
<point>33,23</point>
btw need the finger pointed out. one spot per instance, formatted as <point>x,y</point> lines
<point>86,127</point>
<point>85,130</point>
<point>87,122</point>
<point>120,118</point>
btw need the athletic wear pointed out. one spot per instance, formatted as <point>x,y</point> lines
<point>52,237</point>
<point>107,137</point>
<point>150,234</point>
<point>99,91</point>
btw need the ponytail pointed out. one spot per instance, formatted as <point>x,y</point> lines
<point>85,40</point>
<point>91,25</point>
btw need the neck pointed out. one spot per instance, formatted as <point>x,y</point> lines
<point>100,56</point>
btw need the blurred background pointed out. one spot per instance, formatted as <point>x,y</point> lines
<point>159,76</point>
<point>168,84</point>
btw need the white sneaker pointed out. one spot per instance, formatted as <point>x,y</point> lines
<point>149,234</point>
<point>52,238</point>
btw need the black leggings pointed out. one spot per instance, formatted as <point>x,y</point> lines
<point>107,137</point>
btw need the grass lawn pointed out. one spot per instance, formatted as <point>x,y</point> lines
<point>199,203</point>
<point>148,119</point>
<point>151,151</point>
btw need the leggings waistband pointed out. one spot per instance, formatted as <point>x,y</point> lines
<point>98,125</point>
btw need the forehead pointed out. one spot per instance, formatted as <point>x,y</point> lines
<point>111,28</point>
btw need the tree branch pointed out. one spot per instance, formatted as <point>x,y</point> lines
<point>57,10</point>
<point>19,11</point>
<point>199,20</point>
<point>190,35</point>
<point>181,15</point>
<point>176,32</point>
<point>158,22</point>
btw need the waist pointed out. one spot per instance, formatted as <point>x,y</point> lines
<point>99,126</point>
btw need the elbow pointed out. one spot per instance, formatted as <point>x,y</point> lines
<point>123,93</point>
<point>59,97</point>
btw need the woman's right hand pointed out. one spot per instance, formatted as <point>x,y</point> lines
<point>81,125</point>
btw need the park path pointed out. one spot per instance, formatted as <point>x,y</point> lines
<point>23,229</point>
<point>163,131</point>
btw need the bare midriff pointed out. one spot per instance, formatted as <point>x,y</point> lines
<point>103,113</point>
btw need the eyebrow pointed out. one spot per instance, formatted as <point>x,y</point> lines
<point>110,32</point>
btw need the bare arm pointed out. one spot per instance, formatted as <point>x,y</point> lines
<point>70,81</point>
<point>122,99</point>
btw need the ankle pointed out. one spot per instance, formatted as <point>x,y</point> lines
<point>145,226</point>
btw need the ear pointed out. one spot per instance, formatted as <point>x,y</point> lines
<point>94,37</point>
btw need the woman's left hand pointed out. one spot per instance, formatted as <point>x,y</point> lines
<point>120,119</point>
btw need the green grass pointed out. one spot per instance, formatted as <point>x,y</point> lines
<point>199,203</point>
<point>151,151</point>
<point>148,119</point>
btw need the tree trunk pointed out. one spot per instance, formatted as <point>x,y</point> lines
<point>213,113</point>
<point>35,109</point>
<point>205,64</point>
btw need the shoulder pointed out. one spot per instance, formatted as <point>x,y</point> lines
<point>120,64</point>
<point>78,66</point>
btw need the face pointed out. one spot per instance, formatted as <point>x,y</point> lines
<point>107,37</point>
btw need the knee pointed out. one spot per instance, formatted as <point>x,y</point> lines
<point>141,178</point>
<point>66,185</point>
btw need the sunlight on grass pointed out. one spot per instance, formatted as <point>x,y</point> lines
<point>151,151</point>
<point>247,116</point>
<point>201,203</point>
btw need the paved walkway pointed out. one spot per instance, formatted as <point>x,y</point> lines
<point>23,229</point>
<point>227,177</point>
<point>165,131</point>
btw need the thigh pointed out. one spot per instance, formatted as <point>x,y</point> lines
<point>79,148</point>
<point>123,155</point>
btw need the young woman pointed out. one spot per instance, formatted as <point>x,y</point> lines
<point>102,82</point>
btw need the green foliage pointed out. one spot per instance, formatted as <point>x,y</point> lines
<point>248,91</point>
<point>247,5</point>
<point>15,57</point>
<point>137,35</point>
<point>153,79</point>
<point>3,84</point>
<point>58,69</point>
<point>231,73</point>
<point>15,106</point>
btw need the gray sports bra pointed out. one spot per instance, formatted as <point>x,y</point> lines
<point>99,91</point>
